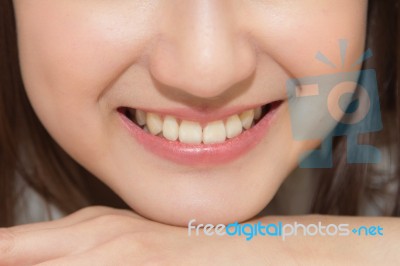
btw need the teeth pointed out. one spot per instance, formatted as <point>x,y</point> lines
<point>170,128</point>
<point>190,132</point>
<point>233,126</point>
<point>140,117</point>
<point>247,118</point>
<point>214,132</point>
<point>154,123</point>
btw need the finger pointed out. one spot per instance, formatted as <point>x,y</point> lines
<point>123,250</point>
<point>30,247</point>
<point>81,215</point>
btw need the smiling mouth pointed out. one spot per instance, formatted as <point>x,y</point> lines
<point>175,129</point>
<point>200,142</point>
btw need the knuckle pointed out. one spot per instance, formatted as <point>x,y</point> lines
<point>155,260</point>
<point>7,243</point>
<point>148,240</point>
<point>146,244</point>
<point>112,220</point>
<point>145,247</point>
<point>138,241</point>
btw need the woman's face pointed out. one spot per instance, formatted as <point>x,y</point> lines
<point>198,72</point>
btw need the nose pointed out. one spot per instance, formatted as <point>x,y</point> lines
<point>201,49</point>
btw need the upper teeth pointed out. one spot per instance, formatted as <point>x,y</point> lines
<point>191,132</point>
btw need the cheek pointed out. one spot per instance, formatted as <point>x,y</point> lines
<point>72,51</point>
<point>293,32</point>
<point>70,56</point>
<point>291,35</point>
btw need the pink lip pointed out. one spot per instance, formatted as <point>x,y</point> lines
<point>202,154</point>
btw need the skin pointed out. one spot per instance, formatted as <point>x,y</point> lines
<point>81,60</point>
<point>119,237</point>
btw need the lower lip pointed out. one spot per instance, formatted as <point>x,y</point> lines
<point>202,154</point>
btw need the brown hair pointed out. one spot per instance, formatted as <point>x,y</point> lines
<point>345,187</point>
<point>63,182</point>
<point>49,170</point>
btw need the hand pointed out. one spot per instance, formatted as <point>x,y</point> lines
<point>105,236</point>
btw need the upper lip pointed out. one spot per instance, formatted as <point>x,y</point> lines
<point>201,115</point>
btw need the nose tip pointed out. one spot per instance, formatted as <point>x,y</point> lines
<point>200,52</point>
